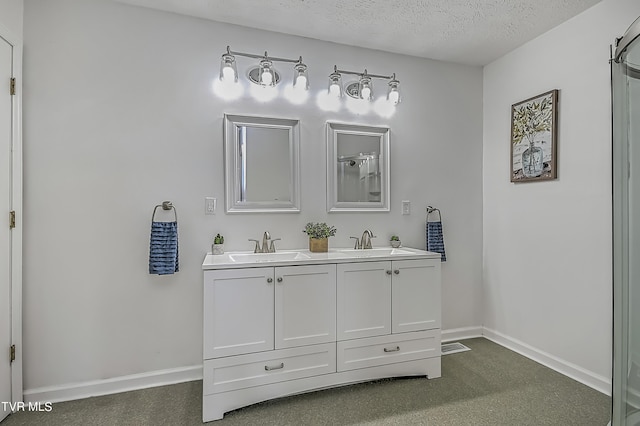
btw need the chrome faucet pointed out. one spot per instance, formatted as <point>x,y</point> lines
<point>365,241</point>
<point>357,244</point>
<point>272,247</point>
<point>266,247</point>
<point>265,242</point>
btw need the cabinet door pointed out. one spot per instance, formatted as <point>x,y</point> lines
<point>305,305</point>
<point>415,295</point>
<point>238,311</point>
<point>364,299</point>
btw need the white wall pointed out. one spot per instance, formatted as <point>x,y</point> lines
<point>119,116</point>
<point>547,245</point>
<point>11,16</point>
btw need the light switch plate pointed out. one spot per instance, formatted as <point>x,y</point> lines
<point>406,207</point>
<point>210,205</point>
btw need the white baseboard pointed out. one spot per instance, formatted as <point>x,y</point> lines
<point>461,333</point>
<point>595,381</point>
<point>115,385</point>
<point>73,391</point>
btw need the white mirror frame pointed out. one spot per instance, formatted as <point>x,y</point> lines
<point>233,165</point>
<point>334,129</point>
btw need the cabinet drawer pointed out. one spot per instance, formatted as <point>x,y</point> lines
<point>243,371</point>
<point>381,350</point>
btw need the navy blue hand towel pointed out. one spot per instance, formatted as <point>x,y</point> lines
<point>435,240</point>
<point>163,248</point>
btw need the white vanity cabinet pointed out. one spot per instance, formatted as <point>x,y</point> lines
<point>379,298</point>
<point>364,299</point>
<point>305,305</point>
<point>388,312</point>
<point>296,326</point>
<point>238,311</point>
<point>415,295</point>
<point>260,309</point>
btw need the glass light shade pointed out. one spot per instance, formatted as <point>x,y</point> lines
<point>266,74</point>
<point>335,84</point>
<point>300,77</point>
<point>228,70</point>
<point>393,94</point>
<point>365,88</point>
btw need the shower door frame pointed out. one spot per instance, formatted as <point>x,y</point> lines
<point>621,169</point>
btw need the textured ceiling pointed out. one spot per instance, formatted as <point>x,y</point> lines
<point>471,32</point>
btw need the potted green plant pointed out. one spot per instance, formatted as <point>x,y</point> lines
<point>319,234</point>
<point>218,245</point>
<point>395,241</point>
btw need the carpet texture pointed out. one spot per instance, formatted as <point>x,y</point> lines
<point>489,385</point>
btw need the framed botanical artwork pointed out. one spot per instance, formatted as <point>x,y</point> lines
<point>533,138</point>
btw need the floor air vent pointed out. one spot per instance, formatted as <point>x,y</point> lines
<point>452,348</point>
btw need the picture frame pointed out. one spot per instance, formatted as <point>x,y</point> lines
<point>534,138</point>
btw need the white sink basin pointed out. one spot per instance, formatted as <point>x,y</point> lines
<point>375,252</point>
<point>267,257</point>
<point>247,259</point>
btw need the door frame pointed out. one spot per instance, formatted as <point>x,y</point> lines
<point>15,203</point>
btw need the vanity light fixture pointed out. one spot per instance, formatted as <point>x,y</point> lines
<point>335,83</point>
<point>363,88</point>
<point>300,76</point>
<point>393,93</point>
<point>264,74</point>
<point>228,69</point>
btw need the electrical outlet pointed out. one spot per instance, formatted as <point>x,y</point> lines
<point>406,207</point>
<point>209,205</point>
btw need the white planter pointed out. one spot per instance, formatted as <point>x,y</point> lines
<point>217,248</point>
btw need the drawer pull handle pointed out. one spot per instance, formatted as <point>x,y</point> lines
<point>396,349</point>
<point>396,271</point>
<point>277,367</point>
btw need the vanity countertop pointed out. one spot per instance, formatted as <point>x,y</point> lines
<point>285,257</point>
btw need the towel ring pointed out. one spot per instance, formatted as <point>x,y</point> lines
<point>166,205</point>
<point>433,210</point>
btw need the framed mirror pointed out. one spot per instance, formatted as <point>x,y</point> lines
<point>357,167</point>
<point>262,172</point>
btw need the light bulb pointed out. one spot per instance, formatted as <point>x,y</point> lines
<point>365,87</point>
<point>228,70</point>
<point>394,97</point>
<point>228,74</point>
<point>335,84</point>
<point>266,78</point>
<point>334,90</point>
<point>393,93</point>
<point>300,78</point>
<point>301,82</point>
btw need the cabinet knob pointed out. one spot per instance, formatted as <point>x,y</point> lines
<point>396,271</point>
<point>269,280</point>
<point>388,271</point>
<point>279,279</point>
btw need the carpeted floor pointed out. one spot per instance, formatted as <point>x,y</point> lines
<point>489,385</point>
